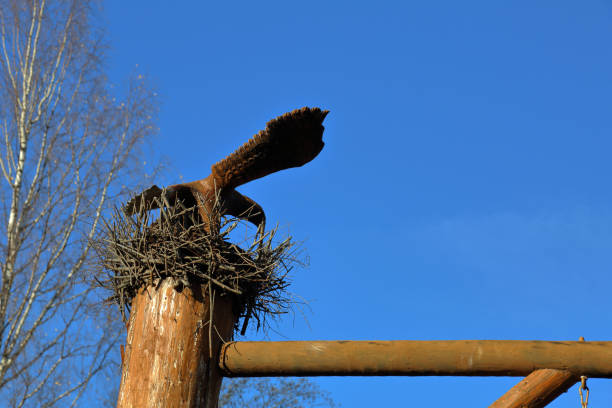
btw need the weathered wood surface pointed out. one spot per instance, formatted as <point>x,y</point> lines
<point>538,389</point>
<point>414,358</point>
<point>166,359</point>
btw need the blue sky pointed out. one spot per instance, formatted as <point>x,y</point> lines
<point>464,189</point>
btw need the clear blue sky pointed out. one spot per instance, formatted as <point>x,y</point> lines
<point>464,191</point>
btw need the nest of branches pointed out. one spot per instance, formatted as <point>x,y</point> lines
<point>141,250</point>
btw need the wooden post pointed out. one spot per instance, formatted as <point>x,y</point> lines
<point>417,358</point>
<point>167,359</point>
<point>537,390</point>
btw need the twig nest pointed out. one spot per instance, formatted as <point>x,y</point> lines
<point>139,251</point>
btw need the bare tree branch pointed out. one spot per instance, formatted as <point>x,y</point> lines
<point>65,142</point>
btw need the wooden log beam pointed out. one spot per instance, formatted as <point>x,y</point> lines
<point>167,359</point>
<point>414,358</point>
<point>538,389</point>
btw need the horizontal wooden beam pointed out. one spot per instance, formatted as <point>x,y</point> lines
<point>414,358</point>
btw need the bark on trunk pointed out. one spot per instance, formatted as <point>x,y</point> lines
<point>167,358</point>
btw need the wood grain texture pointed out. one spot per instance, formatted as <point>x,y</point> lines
<point>414,358</point>
<point>538,389</point>
<point>166,359</point>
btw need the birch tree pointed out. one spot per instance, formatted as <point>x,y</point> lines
<point>65,143</point>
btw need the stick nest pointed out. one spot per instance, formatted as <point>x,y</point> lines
<point>139,251</point>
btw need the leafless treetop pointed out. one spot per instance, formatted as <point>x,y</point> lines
<point>64,142</point>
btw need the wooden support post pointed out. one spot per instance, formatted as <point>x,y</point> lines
<point>537,390</point>
<point>416,358</point>
<point>167,356</point>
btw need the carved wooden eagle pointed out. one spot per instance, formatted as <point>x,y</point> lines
<point>290,140</point>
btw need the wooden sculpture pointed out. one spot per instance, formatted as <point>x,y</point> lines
<point>291,140</point>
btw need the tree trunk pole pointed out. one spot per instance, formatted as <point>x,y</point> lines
<point>537,390</point>
<point>167,359</point>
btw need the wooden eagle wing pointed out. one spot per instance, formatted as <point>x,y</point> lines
<point>290,140</point>
<point>153,196</point>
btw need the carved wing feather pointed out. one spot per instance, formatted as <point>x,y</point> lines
<point>291,140</point>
